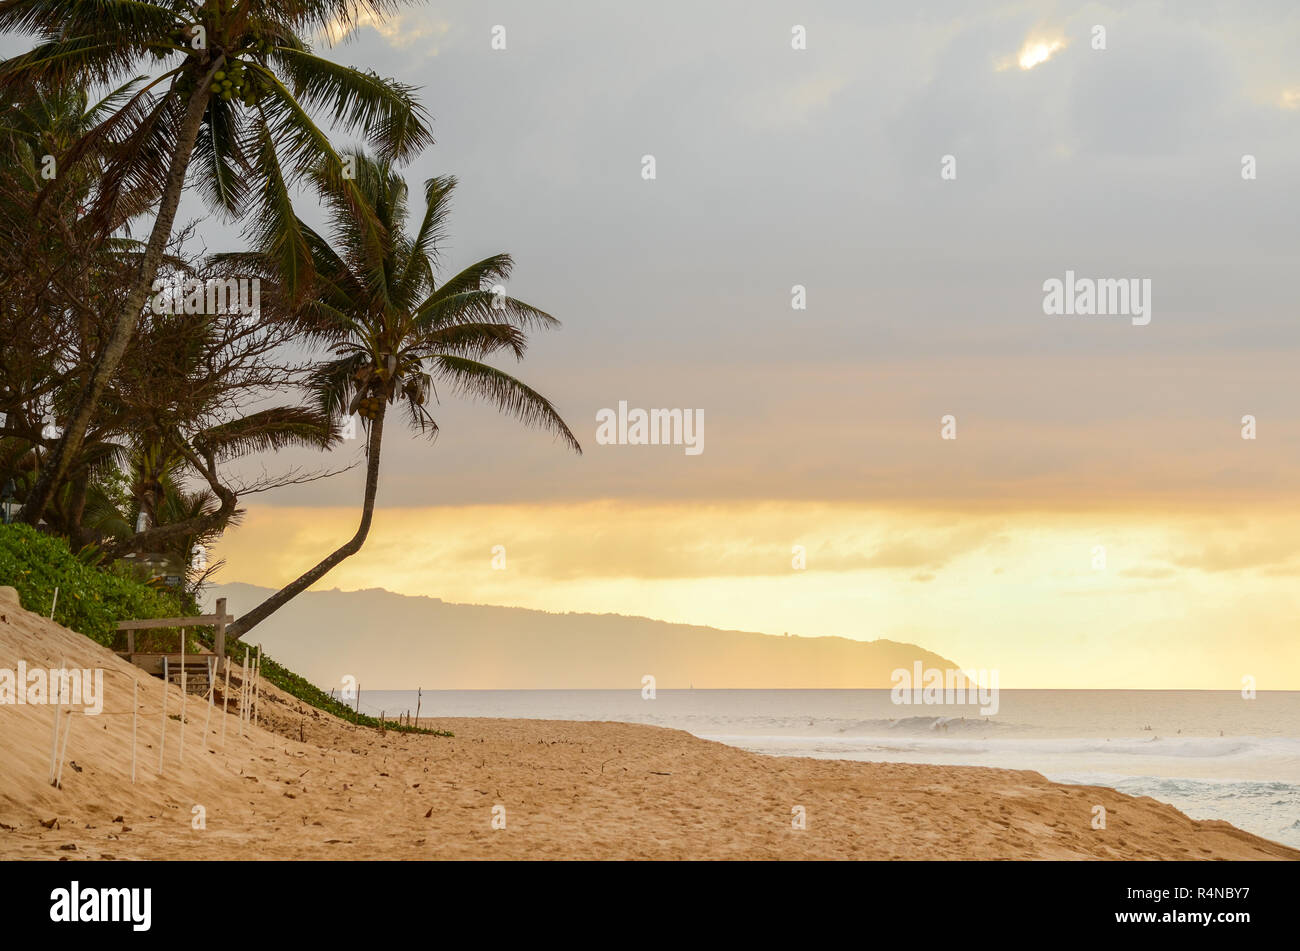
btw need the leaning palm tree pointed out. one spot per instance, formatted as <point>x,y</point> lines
<point>393,332</point>
<point>234,84</point>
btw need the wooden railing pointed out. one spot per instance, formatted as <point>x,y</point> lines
<point>219,620</point>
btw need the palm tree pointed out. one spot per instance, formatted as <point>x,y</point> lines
<point>193,519</point>
<point>58,278</point>
<point>393,332</point>
<point>234,84</point>
<point>184,391</point>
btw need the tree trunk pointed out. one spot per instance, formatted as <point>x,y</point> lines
<point>66,450</point>
<point>77,492</point>
<point>290,591</point>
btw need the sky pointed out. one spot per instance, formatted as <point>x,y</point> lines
<point>823,427</point>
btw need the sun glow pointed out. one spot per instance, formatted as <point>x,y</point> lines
<point>1016,588</point>
<point>1037,51</point>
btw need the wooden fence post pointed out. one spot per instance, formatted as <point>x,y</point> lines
<point>58,712</point>
<point>58,779</point>
<point>212,693</point>
<point>219,641</point>
<point>225,707</point>
<point>180,753</point>
<point>162,733</point>
<point>257,688</point>
<point>135,718</point>
<point>243,693</point>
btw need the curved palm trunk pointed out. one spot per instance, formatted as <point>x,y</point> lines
<point>290,591</point>
<point>56,469</point>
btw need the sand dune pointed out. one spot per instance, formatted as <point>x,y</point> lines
<point>310,786</point>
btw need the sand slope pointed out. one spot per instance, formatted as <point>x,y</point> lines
<point>569,790</point>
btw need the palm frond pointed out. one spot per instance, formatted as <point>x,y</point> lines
<point>422,255</point>
<point>384,110</point>
<point>268,431</point>
<point>491,270</point>
<point>277,233</point>
<point>223,167</point>
<point>480,381</point>
<point>439,312</point>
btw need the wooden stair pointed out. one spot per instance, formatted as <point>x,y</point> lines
<point>199,673</point>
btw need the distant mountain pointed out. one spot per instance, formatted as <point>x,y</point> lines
<point>395,642</point>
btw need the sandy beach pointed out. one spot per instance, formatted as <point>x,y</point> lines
<point>304,785</point>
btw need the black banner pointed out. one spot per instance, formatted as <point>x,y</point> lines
<point>357,902</point>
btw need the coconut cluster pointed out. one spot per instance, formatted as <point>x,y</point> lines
<point>231,82</point>
<point>235,81</point>
<point>369,407</point>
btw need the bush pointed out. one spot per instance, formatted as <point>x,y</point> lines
<point>91,600</point>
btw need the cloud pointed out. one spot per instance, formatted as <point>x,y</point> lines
<point>799,102</point>
<point>1148,573</point>
<point>1278,555</point>
<point>400,30</point>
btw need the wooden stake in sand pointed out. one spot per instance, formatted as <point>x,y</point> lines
<point>180,753</point>
<point>55,604</point>
<point>212,689</point>
<point>135,716</point>
<point>54,744</point>
<point>252,688</point>
<point>243,694</point>
<point>419,695</point>
<point>256,689</point>
<point>54,741</point>
<point>162,733</point>
<point>58,779</point>
<point>225,704</point>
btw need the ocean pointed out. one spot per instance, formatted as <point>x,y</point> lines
<point>1211,754</point>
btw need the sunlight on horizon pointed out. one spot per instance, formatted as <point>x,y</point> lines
<point>1027,593</point>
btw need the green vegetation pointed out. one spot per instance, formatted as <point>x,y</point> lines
<point>91,599</point>
<point>308,692</point>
